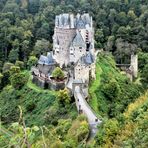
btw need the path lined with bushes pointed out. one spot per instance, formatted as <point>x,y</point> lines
<point>83,107</point>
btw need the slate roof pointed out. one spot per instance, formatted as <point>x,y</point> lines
<point>80,21</point>
<point>47,60</point>
<point>78,40</point>
<point>86,18</point>
<point>87,59</point>
<point>80,24</point>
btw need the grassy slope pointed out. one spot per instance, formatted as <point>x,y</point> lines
<point>104,66</point>
<point>94,85</point>
<point>34,101</point>
<point>106,70</point>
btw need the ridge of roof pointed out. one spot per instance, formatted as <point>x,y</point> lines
<point>78,40</point>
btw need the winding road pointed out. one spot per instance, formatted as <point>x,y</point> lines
<point>83,106</point>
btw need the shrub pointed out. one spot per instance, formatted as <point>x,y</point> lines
<point>58,73</point>
<point>63,97</point>
<point>20,64</point>
<point>111,90</point>
<point>7,67</point>
<point>32,61</point>
<point>18,80</point>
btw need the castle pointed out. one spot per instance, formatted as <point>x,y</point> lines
<point>73,49</point>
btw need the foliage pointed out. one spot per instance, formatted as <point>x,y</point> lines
<point>34,109</point>
<point>27,25</point>
<point>107,133</point>
<point>111,90</point>
<point>17,135</point>
<point>63,97</point>
<point>18,80</point>
<point>143,67</point>
<point>32,61</point>
<point>13,55</point>
<point>58,73</point>
<point>14,69</point>
<point>41,46</point>
<point>134,131</point>
<point>20,64</point>
<point>6,74</point>
<point>62,135</point>
<point>1,76</point>
<point>114,91</point>
<point>120,27</point>
<point>7,66</point>
<point>78,131</point>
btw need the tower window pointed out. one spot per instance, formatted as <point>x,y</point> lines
<point>80,47</point>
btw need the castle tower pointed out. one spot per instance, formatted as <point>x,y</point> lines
<point>134,64</point>
<point>73,37</point>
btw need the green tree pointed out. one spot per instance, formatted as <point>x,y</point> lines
<point>99,35</point>
<point>20,64</point>
<point>107,133</point>
<point>14,69</point>
<point>144,76</point>
<point>78,132</point>
<point>63,97</point>
<point>7,66</point>
<point>13,55</point>
<point>110,43</point>
<point>32,61</point>
<point>58,73</point>
<point>111,90</point>
<point>18,80</point>
<point>1,76</point>
<point>41,46</point>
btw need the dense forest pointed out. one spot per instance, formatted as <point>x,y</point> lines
<point>33,117</point>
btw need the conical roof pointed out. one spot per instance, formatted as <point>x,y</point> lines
<point>47,60</point>
<point>78,40</point>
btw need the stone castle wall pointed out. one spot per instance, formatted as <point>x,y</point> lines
<point>65,37</point>
<point>81,72</point>
<point>48,84</point>
<point>134,65</point>
<point>76,53</point>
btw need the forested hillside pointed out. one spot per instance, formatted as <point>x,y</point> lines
<point>27,27</point>
<point>33,117</point>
